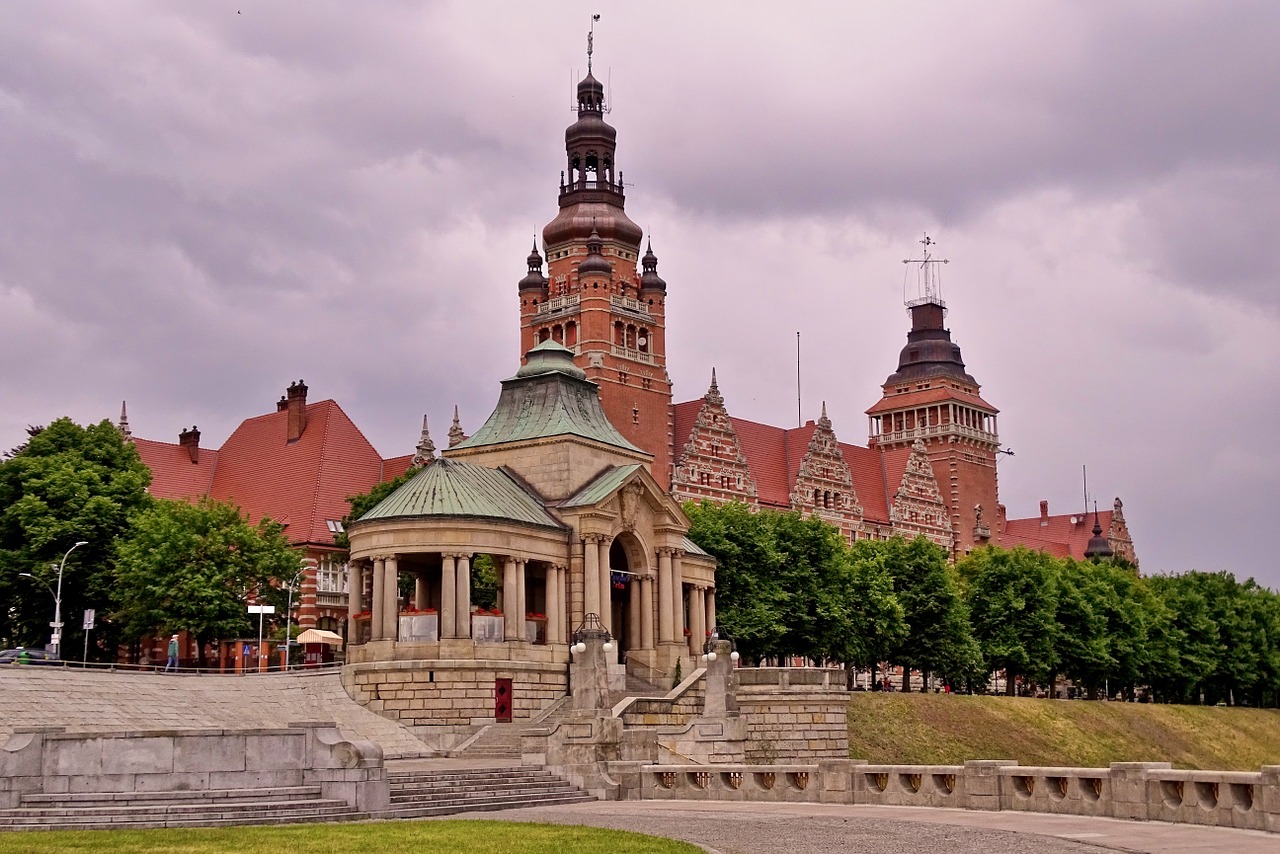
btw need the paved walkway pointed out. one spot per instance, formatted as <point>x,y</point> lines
<point>112,701</point>
<point>739,828</point>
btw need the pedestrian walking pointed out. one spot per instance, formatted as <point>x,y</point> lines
<point>172,663</point>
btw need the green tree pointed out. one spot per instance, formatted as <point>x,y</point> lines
<point>1190,646</point>
<point>364,502</point>
<point>195,566</point>
<point>67,483</point>
<point>939,639</point>
<point>1013,602</point>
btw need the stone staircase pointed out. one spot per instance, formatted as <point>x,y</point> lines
<point>210,808</point>
<point>415,794</point>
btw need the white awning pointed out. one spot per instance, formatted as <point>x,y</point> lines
<point>320,636</point>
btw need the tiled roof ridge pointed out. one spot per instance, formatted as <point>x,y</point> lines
<point>327,407</point>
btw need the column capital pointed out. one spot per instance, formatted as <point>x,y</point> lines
<point>594,538</point>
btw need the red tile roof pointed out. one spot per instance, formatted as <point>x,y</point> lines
<point>1056,535</point>
<point>173,475</point>
<point>927,396</point>
<point>301,484</point>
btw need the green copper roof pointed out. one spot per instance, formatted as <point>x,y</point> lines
<point>454,488</point>
<point>602,487</point>
<point>548,396</point>
<point>690,547</point>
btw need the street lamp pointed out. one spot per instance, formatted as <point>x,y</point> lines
<point>55,640</point>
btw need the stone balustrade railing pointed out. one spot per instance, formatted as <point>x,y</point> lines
<point>1133,790</point>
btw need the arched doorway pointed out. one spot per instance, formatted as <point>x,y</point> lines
<point>626,564</point>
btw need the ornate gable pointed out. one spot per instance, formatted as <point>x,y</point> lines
<point>823,485</point>
<point>1118,534</point>
<point>711,464</point>
<point>917,506</point>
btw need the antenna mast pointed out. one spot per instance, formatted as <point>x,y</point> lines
<point>929,282</point>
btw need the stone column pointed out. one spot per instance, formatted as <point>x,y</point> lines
<point>420,598</point>
<point>677,598</point>
<point>557,606</point>
<point>606,583</point>
<point>509,597</point>
<point>711,608</point>
<point>590,575</point>
<point>379,603</point>
<point>355,598</point>
<point>633,614</point>
<point>391,610</point>
<point>522,605</point>
<point>646,612</point>
<point>462,611</point>
<point>666,612</point>
<point>448,578</point>
<point>697,621</point>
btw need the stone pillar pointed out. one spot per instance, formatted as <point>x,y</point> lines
<point>355,598</point>
<point>391,610</point>
<point>420,598</point>
<point>646,612</point>
<point>557,604</point>
<point>697,620</point>
<point>590,575</point>
<point>606,584</point>
<point>379,603</point>
<point>677,599</point>
<point>522,603</point>
<point>307,599</point>
<point>462,611</point>
<point>633,614</point>
<point>448,579</point>
<point>666,611</point>
<point>509,597</point>
<point>711,608</point>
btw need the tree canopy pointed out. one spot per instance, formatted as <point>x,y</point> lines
<point>194,567</point>
<point>65,485</point>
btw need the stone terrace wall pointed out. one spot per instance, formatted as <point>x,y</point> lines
<point>53,761</point>
<point>452,693</point>
<point>794,714</point>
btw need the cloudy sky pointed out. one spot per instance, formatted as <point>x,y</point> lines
<point>205,201</point>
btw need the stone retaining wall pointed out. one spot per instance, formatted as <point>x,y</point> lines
<point>53,761</point>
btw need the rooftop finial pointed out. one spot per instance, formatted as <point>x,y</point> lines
<point>928,283</point>
<point>590,38</point>
<point>123,425</point>
<point>455,432</point>
<point>426,450</point>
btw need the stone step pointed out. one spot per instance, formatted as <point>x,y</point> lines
<point>175,815</point>
<point>204,821</point>
<point>418,796</point>
<point>221,796</point>
<point>530,772</point>
<point>456,806</point>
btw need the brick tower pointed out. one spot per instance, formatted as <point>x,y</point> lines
<point>932,398</point>
<point>593,299</point>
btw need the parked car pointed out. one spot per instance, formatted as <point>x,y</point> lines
<point>26,656</point>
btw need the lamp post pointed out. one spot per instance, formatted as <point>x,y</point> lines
<point>288,617</point>
<point>55,640</point>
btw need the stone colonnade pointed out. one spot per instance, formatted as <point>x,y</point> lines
<point>374,587</point>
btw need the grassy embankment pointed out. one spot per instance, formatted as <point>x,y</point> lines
<point>946,729</point>
<point>456,837</point>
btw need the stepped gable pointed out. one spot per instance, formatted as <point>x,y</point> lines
<point>917,504</point>
<point>174,475</point>
<point>1068,534</point>
<point>711,463</point>
<point>302,483</point>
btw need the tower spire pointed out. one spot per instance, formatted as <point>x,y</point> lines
<point>123,425</point>
<point>426,450</point>
<point>590,38</point>
<point>455,432</point>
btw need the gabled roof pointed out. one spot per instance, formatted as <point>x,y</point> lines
<point>173,475</point>
<point>453,488</point>
<point>549,396</point>
<point>302,484</point>
<point>1057,535</point>
<point>602,487</point>
<point>927,396</point>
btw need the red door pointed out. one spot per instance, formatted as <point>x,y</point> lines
<point>502,700</point>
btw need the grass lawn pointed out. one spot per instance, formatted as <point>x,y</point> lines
<point>401,837</point>
<point>946,729</point>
